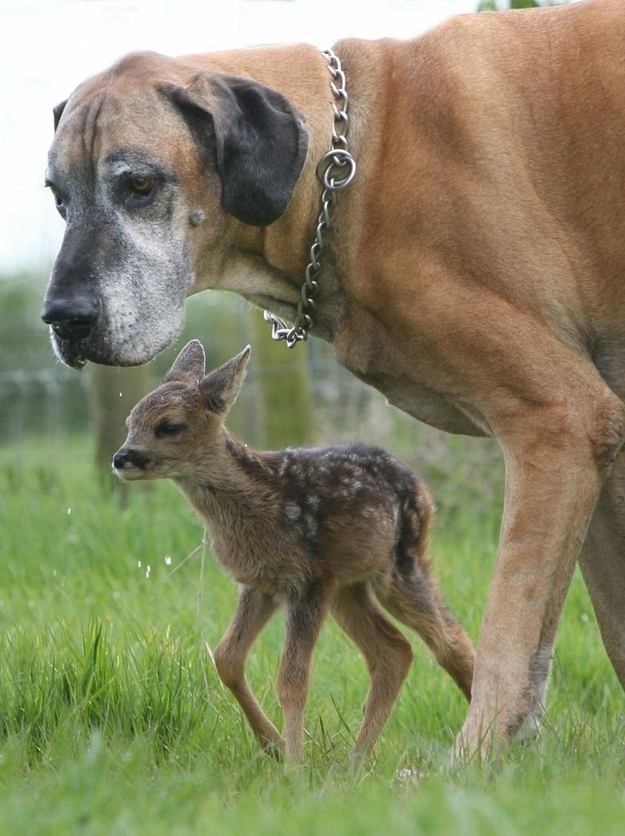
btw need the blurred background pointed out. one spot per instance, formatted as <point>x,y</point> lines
<point>292,397</point>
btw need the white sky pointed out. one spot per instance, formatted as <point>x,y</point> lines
<point>47,47</point>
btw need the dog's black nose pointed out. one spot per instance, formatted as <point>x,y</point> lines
<point>70,321</point>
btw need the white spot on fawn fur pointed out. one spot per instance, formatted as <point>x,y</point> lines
<point>293,511</point>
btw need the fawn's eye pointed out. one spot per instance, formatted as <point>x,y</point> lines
<point>168,429</point>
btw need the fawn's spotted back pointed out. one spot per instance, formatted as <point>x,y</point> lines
<point>335,509</point>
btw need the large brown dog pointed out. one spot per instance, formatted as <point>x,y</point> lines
<point>474,271</point>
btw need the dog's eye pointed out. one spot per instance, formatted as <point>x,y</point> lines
<point>141,187</point>
<point>168,429</point>
<point>58,198</point>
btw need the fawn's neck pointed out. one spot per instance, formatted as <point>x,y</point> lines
<point>230,473</point>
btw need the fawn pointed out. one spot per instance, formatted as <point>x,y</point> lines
<point>329,529</point>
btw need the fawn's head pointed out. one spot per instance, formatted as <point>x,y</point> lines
<point>175,431</point>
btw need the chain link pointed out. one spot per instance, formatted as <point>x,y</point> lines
<point>336,170</point>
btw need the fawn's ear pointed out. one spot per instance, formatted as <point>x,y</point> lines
<point>221,387</point>
<point>189,365</point>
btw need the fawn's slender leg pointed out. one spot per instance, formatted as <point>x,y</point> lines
<point>387,653</point>
<point>415,601</point>
<point>254,609</point>
<point>305,615</point>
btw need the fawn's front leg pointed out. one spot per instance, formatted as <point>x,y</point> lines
<point>305,614</point>
<point>387,653</point>
<point>254,609</point>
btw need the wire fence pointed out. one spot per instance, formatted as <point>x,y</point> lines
<point>50,404</point>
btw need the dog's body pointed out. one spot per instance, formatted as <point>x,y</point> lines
<point>474,271</point>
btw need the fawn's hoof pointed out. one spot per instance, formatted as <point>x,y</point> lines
<point>274,748</point>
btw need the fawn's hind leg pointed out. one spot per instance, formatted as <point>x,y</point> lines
<point>254,609</point>
<point>414,600</point>
<point>387,653</point>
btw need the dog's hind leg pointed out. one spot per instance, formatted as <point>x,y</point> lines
<point>602,562</point>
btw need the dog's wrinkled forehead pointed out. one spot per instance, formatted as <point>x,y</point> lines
<point>108,113</point>
<point>92,135</point>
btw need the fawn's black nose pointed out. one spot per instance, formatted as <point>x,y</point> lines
<point>70,320</point>
<point>125,458</point>
<point>119,460</point>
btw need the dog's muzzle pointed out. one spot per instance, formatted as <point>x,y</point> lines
<point>70,322</point>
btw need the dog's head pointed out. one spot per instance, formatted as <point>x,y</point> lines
<point>152,164</point>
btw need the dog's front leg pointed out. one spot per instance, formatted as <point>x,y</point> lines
<point>557,455</point>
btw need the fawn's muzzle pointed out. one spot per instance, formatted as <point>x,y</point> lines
<point>129,460</point>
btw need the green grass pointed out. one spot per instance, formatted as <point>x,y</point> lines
<point>113,721</point>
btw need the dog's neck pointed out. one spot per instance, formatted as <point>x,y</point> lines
<point>270,268</point>
<point>336,171</point>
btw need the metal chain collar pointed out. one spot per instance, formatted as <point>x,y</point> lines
<point>336,170</point>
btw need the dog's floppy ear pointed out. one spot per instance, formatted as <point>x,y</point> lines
<point>257,138</point>
<point>58,112</point>
<point>189,365</point>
